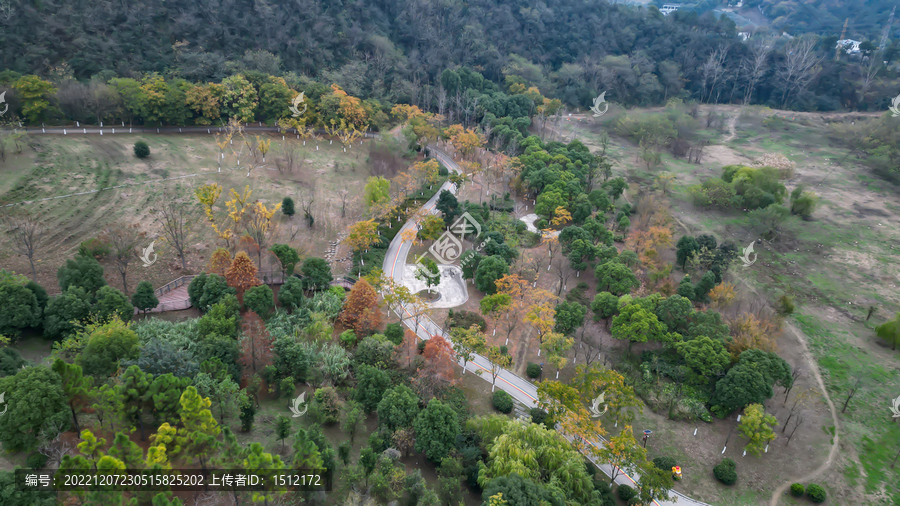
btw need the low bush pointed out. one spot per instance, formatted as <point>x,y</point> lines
<point>538,415</point>
<point>502,401</point>
<point>95,247</point>
<point>36,460</point>
<point>348,338</point>
<point>725,472</point>
<point>141,149</point>
<point>466,319</point>
<point>533,370</point>
<point>625,492</point>
<point>815,493</point>
<point>797,490</point>
<point>665,463</point>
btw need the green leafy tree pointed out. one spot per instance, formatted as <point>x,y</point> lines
<point>520,491</point>
<point>127,451</point>
<point>615,277</point>
<point>751,380</point>
<point>569,317</point>
<point>706,357</point>
<point>702,288</point>
<point>107,345</point>
<point>604,306</point>
<point>675,312</point>
<point>468,342</point>
<point>757,426</point>
<point>287,206</point>
<point>685,249</point>
<point>20,308</point>
<point>429,273</point>
<point>35,400</point>
<point>535,453</point>
<point>437,427</point>
<point>65,311</point>
<point>686,288</point>
<point>287,257</point>
<point>637,325</point>
<point>112,303</point>
<point>144,297</point>
<point>163,397</point>
<point>197,435</point>
<point>33,94</point>
<point>132,393</point>
<point>376,191</point>
<point>398,408</point>
<point>448,206</point>
<point>76,387</point>
<point>208,289</point>
<point>353,416</point>
<point>282,428</point>
<point>316,274</point>
<point>371,383</point>
<point>306,453</point>
<point>290,295</point>
<point>83,271</point>
<point>259,299</point>
<point>490,270</point>
<point>654,483</point>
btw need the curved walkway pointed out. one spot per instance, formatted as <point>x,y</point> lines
<point>523,390</point>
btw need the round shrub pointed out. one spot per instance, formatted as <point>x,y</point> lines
<point>541,224</point>
<point>815,493</point>
<point>665,463</point>
<point>538,415</point>
<point>625,492</point>
<point>797,490</point>
<point>504,350</point>
<point>421,346</point>
<point>634,501</point>
<point>141,149</point>
<point>533,370</point>
<point>725,472</point>
<point>36,460</point>
<point>502,401</point>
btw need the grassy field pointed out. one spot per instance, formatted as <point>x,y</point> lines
<point>834,266</point>
<point>56,166</point>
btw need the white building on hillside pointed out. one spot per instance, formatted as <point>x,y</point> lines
<point>850,46</point>
<point>667,8</point>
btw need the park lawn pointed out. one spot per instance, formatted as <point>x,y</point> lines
<point>54,166</point>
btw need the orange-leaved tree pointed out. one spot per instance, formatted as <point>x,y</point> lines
<point>438,370</point>
<point>241,275</point>
<point>361,312</point>
<point>219,262</point>
<point>256,344</point>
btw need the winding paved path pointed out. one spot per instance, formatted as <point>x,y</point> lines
<point>523,390</point>
<point>395,258</point>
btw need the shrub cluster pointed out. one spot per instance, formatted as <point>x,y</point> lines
<point>725,472</point>
<point>503,401</point>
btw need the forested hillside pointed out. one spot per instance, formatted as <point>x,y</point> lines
<point>395,51</point>
<point>826,17</point>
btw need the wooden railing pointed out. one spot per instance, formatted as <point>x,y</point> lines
<point>168,287</point>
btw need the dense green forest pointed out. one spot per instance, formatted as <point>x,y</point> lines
<point>826,17</point>
<point>396,52</point>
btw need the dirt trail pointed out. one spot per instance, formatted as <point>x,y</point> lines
<point>732,132</point>
<point>814,367</point>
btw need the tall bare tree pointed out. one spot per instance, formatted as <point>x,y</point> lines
<point>713,72</point>
<point>798,67</point>
<point>123,241</point>
<point>343,194</point>
<point>176,225</point>
<point>754,67</point>
<point>27,235</point>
